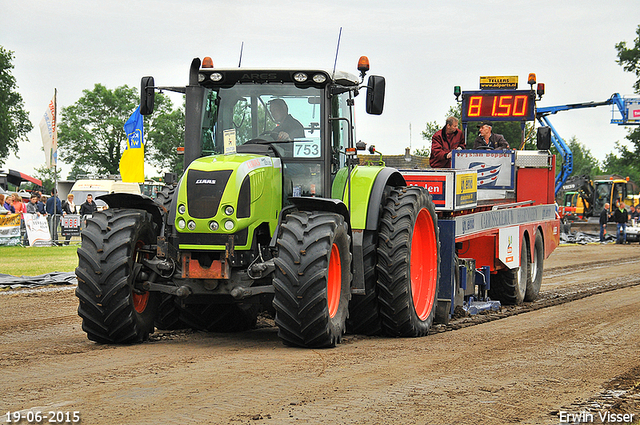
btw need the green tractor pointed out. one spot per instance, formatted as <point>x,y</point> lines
<point>272,213</point>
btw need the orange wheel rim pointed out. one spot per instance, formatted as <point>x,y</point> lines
<point>424,265</point>
<point>140,300</point>
<point>334,281</point>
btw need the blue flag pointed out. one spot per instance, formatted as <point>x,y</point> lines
<point>132,161</point>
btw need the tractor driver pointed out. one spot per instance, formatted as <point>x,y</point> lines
<point>488,140</point>
<point>288,128</point>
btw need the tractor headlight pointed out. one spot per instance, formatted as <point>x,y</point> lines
<point>182,224</point>
<point>182,209</point>
<point>300,77</point>
<point>191,225</point>
<point>213,225</point>
<point>229,225</point>
<point>228,210</point>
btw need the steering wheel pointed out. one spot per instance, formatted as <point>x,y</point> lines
<point>484,148</point>
<point>255,141</point>
<point>272,134</point>
<point>261,140</point>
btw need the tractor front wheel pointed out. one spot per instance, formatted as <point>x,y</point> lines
<point>312,279</point>
<point>113,307</point>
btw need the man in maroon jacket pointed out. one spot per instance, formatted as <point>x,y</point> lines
<point>445,141</point>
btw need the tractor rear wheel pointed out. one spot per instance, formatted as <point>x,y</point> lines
<point>509,286</point>
<point>364,311</point>
<point>408,262</point>
<point>312,279</point>
<point>113,307</point>
<point>534,280</point>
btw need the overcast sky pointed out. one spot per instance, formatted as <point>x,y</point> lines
<point>423,48</point>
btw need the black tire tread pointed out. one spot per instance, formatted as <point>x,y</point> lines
<point>533,287</point>
<point>364,311</point>
<point>394,248</point>
<point>300,281</point>
<point>104,277</point>
<point>504,284</point>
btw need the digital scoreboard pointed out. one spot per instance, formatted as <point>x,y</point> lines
<point>498,105</point>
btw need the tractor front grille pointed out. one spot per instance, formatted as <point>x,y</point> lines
<point>204,190</point>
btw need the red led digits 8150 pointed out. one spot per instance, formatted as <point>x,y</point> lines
<point>508,105</point>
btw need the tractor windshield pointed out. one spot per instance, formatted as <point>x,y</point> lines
<point>282,118</point>
<point>263,113</point>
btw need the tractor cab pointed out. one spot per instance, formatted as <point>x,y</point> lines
<point>302,118</point>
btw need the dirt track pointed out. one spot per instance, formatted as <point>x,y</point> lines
<point>574,349</point>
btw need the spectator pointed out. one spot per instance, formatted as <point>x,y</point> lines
<point>604,217</point>
<point>634,212</point>
<point>54,211</point>
<point>18,205</point>
<point>8,203</point>
<point>3,205</point>
<point>32,206</point>
<point>89,207</point>
<point>68,207</point>
<point>444,142</point>
<point>40,204</point>
<point>489,140</point>
<point>620,216</point>
<point>53,205</point>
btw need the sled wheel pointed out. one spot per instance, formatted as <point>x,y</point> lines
<point>509,286</point>
<point>408,262</point>
<point>535,269</point>
<point>113,307</point>
<point>312,279</point>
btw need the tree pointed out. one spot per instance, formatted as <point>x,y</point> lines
<point>624,165</point>
<point>628,163</point>
<point>163,140</point>
<point>434,126</point>
<point>48,179</point>
<point>14,120</point>
<point>629,59</point>
<point>584,163</point>
<point>91,134</point>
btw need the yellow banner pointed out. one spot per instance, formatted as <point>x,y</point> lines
<point>10,220</point>
<point>10,230</point>
<point>500,82</point>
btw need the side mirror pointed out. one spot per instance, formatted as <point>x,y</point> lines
<point>543,138</point>
<point>147,95</point>
<point>375,95</point>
